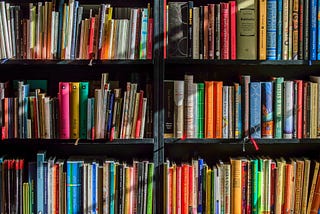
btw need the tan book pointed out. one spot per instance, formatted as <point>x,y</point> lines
<point>49,32</point>
<point>313,185</point>
<point>316,79</point>
<point>313,109</point>
<point>295,29</point>
<point>298,186</point>
<point>305,186</point>
<point>64,30</point>
<point>178,90</point>
<point>262,29</point>
<point>45,30</point>
<point>290,26</point>
<point>247,11</point>
<point>280,185</point>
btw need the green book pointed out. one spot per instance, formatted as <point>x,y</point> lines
<point>254,165</point>
<point>278,106</point>
<point>200,101</point>
<point>150,187</point>
<point>83,105</point>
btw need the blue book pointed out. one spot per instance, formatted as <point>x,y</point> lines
<point>25,94</point>
<point>200,179</point>
<point>255,109</point>
<point>74,30</point>
<point>41,157</point>
<point>32,180</point>
<point>279,30</point>
<point>271,29</point>
<point>238,112</point>
<point>74,186</point>
<point>110,114</point>
<point>83,108</point>
<point>267,109</point>
<point>318,31</point>
<point>112,186</point>
<point>45,188</point>
<point>144,33</point>
<point>288,100</point>
<point>313,30</point>
<point>94,187</point>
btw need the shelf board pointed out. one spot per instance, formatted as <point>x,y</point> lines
<point>74,62</point>
<point>103,142</point>
<point>235,62</point>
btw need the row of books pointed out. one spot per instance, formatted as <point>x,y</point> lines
<point>243,185</point>
<point>242,29</point>
<point>61,30</point>
<point>273,109</point>
<point>75,186</point>
<point>73,114</point>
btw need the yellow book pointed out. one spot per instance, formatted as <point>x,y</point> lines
<point>74,110</point>
<point>305,186</point>
<point>262,29</point>
<point>26,209</point>
<point>32,30</point>
<point>236,185</point>
<point>127,190</point>
<point>208,191</point>
<point>109,13</point>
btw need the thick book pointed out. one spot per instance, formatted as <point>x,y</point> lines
<point>247,29</point>
<point>41,158</point>
<point>74,186</point>
<point>64,104</point>
<point>178,108</point>
<point>178,29</point>
<point>188,107</point>
<point>168,108</point>
<point>208,132</point>
<point>195,32</point>
<point>255,110</point>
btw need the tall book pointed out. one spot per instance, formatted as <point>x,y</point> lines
<point>255,109</point>
<point>188,106</point>
<point>237,111</point>
<point>178,108</point>
<point>285,30</point>
<point>195,32</point>
<point>209,132</point>
<point>313,30</point>
<point>200,109</point>
<point>295,29</point>
<point>278,106</point>
<point>64,104</point>
<point>178,29</point>
<point>263,29</point>
<point>225,30</point>
<point>247,11</point>
<point>279,30</point>
<point>83,105</point>
<point>245,97</point>
<point>41,158</point>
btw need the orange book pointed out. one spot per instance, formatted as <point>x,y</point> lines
<point>6,118</point>
<point>263,30</point>
<point>91,38</point>
<point>217,109</point>
<point>208,109</point>
<point>236,169</point>
<point>288,189</point>
<point>185,189</point>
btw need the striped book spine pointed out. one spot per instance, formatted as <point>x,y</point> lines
<point>255,109</point>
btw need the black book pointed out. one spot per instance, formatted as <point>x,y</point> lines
<point>178,29</point>
<point>190,28</point>
<point>201,33</point>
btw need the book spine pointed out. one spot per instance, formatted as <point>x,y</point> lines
<point>144,34</point>
<point>300,29</point>
<point>211,27</point>
<point>201,32</point>
<point>150,38</point>
<point>306,23</point>
<point>225,31</point>
<point>285,30</point>
<point>318,30</point>
<point>295,29</point>
<point>299,108</point>
<point>64,104</point>
<point>201,104</point>
<point>40,181</point>
<point>190,28</point>
<point>278,107</point>
<point>208,110</point>
<point>267,110</point>
<point>188,106</point>
<point>178,108</point>
<point>288,109</point>
<point>231,108</point>
<point>195,32</point>
<point>237,111</point>
<point>271,30</point>
<point>225,112</point>
<point>245,82</point>
<point>83,105</point>
<point>255,109</point>
<point>217,109</point>
<point>74,110</point>
<point>313,31</point>
<point>279,29</point>
<point>217,32</point>
<point>233,30</point>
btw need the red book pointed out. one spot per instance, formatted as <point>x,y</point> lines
<point>272,188</point>
<point>139,118</point>
<point>150,36</point>
<point>225,30</point>
<point>91,38</point>
<point>185,189</point>
<point>233,30</point>
<point>244,181</point>
<point>178,191</point>
<point>170,182</point>
<point>5,118</point>
<point>64,103</point>
<point>299,84</point>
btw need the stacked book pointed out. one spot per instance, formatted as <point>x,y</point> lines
<point>59,30</point>
<point>271,109</point>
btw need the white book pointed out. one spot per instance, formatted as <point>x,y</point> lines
<point>178,90</point>
<point>69,30</point>
<point>123,37</point>
<point>9,28</point>
<point>188,106</point>
<point>39,30</point>
<point>225,112</point>
<point>5,29</point>
<point>288,109</point>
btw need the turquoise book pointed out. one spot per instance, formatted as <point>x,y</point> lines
<point>271,29</point>
<point>278,106</point>
<point>41,157</point>
<point>74,186</point>
<point>83,111</point>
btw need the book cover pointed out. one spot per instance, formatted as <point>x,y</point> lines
<point>295,29</point>
<point>168,108</point>
<point>225,30</point>
<point>83,105</point>
<point>285,30</point>
<point>278,106</point>
<point>73,186</point>
<point>211,28</point>
<point>178,108</point>
<point>217,31</point>
<point>200,111</point>
<point>208,116</point>
<point>271,29</point>
<point>217,109</point>
<point>245,98</point>
<point>298,108</point>
<point>237,111</point>
<point>188,107</point>
<point>74,110</point>
<point>247,29</point>
<point>40,201</point>
<point>205,18</point>
<point>313,30</point>
<point>255,109</point>
<point>190,28</point>
<point>306,23</point>
<point>267,110</point>
<point>225,112</point>
<point>195,32</point>
<point>233,30</point>
<point>178,29</point>
<point>64,104</point>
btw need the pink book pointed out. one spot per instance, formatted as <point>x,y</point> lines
<point>64,110</point>
<point>233,30</point>
<point>139,119</point>
<point>225,31</point>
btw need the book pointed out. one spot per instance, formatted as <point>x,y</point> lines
<point>288,109</point>
<point>271,49</point>
<point>267,110</point>
<point>263,29</point>
<point>74,109</point>
<point>247,29</point>
<point>64,105</point>
<point>178,108</point>
<point>83,109</point>
<point>255,110</point>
